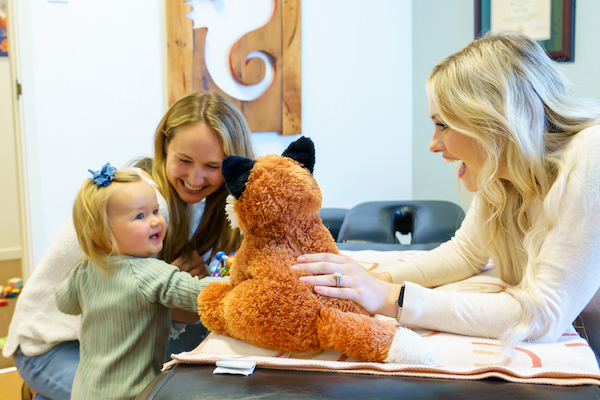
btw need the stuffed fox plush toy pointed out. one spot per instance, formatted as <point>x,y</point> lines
<point>275,201</point>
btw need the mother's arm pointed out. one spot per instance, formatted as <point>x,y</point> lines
<point>470,314</point>
<point>455,260</point>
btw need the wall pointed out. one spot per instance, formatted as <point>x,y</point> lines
<point>92,93</point>
<point>583,72</point>
<point>440,30</point>
<point>356,99</point>
<point>10,234</point>
<point>94,90</point>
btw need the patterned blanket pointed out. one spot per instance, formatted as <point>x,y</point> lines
<point>570,361</point>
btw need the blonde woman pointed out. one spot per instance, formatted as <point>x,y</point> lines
<point>192,139</point>
<point>530,153</point>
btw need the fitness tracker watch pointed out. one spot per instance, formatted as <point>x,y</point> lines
<point>400,302</point>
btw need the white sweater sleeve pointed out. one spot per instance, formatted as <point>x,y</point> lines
<point>568,260</point>
<point>455,260</point>
<point>37,324</point>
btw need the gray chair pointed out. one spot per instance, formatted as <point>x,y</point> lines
<point>373,225</point>
<point>333,218</point>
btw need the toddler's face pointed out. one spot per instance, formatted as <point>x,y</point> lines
<point>138,226</point>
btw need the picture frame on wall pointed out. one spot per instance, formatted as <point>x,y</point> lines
<point>550,22</point>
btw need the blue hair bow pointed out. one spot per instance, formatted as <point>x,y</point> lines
<point>103,177</point>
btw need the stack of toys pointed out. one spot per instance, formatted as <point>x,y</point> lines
<point>222,268</point>
<point>15,285</point>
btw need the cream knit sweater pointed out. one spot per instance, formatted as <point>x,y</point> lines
<point>569,259</point>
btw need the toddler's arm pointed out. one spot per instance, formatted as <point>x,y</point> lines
<point>163,283</point>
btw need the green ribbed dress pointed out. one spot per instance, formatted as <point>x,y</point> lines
<point>125,322</point>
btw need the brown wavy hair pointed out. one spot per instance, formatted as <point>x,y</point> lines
<point>213,233</point>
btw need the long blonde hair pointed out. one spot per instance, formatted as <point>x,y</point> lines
<point>213,232</point>
<point>90,216</point>
<point>507,94</point>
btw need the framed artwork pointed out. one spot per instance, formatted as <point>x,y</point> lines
<point>550,22</point>
<point>3,30</point>
<point>258,67</point>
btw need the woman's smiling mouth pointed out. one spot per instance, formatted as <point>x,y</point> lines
<point>195,189</point>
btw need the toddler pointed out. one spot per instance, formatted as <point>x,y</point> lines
<point>124,296</point>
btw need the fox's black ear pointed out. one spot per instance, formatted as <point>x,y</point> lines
<point>303,151</point>
<point>236,170</point>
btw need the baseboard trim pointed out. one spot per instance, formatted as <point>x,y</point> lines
<point>10,253</point>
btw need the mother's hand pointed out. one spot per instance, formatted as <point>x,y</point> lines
<point>375,295</point>
<point>195,268</point>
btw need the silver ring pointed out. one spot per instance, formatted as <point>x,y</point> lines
<point>338,279</point>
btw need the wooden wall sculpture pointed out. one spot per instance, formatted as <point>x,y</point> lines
<point>276,110</point>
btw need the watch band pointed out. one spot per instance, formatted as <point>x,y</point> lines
<point>400,302</point>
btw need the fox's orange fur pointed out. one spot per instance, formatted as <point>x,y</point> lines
<point>264,303</point>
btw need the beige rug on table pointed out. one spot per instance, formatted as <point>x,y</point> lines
<point>570,361</point>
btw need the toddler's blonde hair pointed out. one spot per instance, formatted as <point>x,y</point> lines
<point>90,216</point>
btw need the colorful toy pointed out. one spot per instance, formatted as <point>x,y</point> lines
<point>275,201</point>
<point>14,288</point>
<point>15,283</point>
<point>225,261</point>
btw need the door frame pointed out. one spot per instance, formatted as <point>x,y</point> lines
<point>19,136</point>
